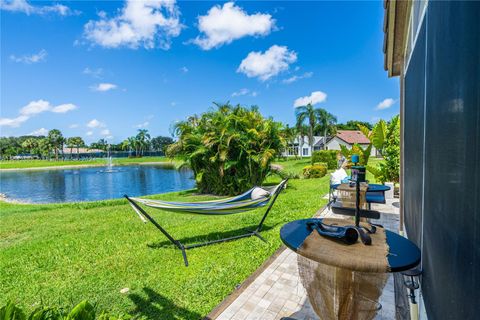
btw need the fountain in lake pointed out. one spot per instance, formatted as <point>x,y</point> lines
<point>109,162</point>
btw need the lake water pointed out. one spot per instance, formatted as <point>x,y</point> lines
<point>90,184</point>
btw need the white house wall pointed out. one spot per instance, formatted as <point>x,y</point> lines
<point>335,142</point>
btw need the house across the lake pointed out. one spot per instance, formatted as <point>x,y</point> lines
<point>343,137</point>
<point>67,150</point>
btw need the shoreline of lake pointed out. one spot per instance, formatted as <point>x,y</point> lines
<point>79,166</point>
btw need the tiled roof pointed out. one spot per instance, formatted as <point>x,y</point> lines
<point>352,136</point>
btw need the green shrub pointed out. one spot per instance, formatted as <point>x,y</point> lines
<point>229,149</point>
<point>315,171</point>
<point>389,170</point>
<point>287,174</point>
<point>327,156</point>
<point>82,311</point>
<point>364,154</point>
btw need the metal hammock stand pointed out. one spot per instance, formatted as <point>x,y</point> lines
<point>220,207</point>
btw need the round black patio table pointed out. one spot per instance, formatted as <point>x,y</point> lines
<point>404,254</point>
<point>338,293</point>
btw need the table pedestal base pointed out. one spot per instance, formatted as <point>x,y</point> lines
<point>336,293</point>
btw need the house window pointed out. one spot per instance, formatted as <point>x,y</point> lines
<point>305,151</point>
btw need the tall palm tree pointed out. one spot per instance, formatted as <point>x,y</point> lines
<point>44,147</point>
<point>56,140</point>
<point>30,144</point>
<point>310,114</point>
<point>142,139</point>
<point>75,142</point>
<point>71,144</point>
<point>326,124</point>
<point>290,134</point>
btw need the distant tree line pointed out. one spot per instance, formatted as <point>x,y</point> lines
<point>52,145</point>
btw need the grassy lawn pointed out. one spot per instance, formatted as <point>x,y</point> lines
<point>19,164</point>
<point>60,254</point>
<point>294,165</point>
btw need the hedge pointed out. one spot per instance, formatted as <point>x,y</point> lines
<point>317,170</point>
<point>327,156</point>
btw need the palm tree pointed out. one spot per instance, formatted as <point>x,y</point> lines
<point>310,114</point>
<point>75,142</point>
<point>30,144</point>
<point>229,149</point>
<point>44,147</point>
<point>290,134</point>
<point>71,144</point>
<point>125,145</point>
<point>326,124</point>
<point>142,139</point>
<point>56,140</point>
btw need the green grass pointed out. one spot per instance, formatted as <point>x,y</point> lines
<point>20,164</point>
<point>294,165</point>
<point>60,254</point>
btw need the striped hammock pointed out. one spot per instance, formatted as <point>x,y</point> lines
<point>243,202</point>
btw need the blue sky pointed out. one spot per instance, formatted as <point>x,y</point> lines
<point>105,69</point>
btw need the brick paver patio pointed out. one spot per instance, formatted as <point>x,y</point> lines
<point>277,291</point>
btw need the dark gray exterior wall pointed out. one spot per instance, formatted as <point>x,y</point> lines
<point>442,157</point>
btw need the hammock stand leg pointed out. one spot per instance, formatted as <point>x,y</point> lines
<point>260,225</point>
<point>177,243</point>
<point>182,247</point>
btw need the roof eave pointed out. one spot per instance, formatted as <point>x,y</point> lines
<point>395,28</point>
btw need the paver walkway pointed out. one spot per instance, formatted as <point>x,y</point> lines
<point>277,292</point>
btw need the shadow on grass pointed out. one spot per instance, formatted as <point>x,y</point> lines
<point>210,237</point>
<point>156,306</point>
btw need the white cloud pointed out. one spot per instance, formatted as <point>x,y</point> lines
<point>240,92</point>
<point>298,77</point>
<point>385,104</point>
<point>39,132</point>
<point>222,25</point>
<point>33,108</point>
<point>96,73</point>
<point>13,122</point>
<point>102,87</point>
<point>184,69</point>
<point>89,133</point>
<point>314,98</point>
<point>30,58</point>
<point>94,123</point>
<point>139,23</point>
<point>143,125</point>
<point>244,92</point>
<point>105,132</point>
<point>27,8</point>
<point>73,126</point>
<point>266,65</point>
<point>173,103</point>
<point>63,108</point>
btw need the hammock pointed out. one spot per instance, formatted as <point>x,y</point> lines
<point>252,199</point>
<point>245,202</point>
